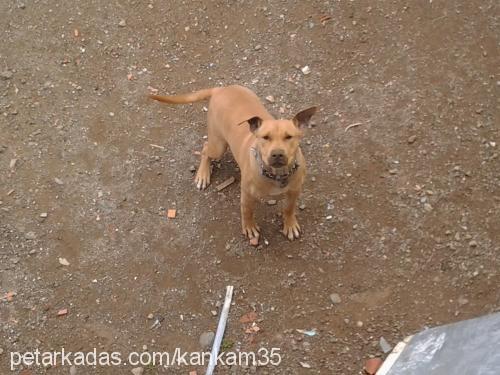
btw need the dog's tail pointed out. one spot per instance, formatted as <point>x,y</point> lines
<point>193,97</point>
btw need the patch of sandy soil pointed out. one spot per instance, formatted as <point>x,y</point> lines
<point>400,213</point>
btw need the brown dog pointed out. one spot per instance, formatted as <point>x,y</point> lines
<point>266,150</point>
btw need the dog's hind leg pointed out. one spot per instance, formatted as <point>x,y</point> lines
<point>213,149</point>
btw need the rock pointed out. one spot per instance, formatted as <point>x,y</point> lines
<point>473,243</point>
<point>30,236</point>
<point>335,298</point>
<point>72,370</point>
<point>206,339</point>
<point>305,70</point>
<point>427,207</point>
<point>150,316</point>
<point>192,169</point>
<point>372,365</point>
<point>122,23</point>
<point>58,181</point>
<point>6,74</point>
<point>384,345</point>
<point>412,139</point>
<point>258,47</point>
<point>302,206</point>
<point>271,202</point>
<point>63,261</point>
<point>462,301</point>
<point>137,371</point>
<point>270,98</point>
<point>44,215</point>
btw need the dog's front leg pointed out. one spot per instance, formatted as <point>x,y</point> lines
<point>249,228</point>
<point>291,228</point>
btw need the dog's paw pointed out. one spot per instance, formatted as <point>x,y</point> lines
<point>251,231</point>
<point>291,230</point>
<point>202,179</point>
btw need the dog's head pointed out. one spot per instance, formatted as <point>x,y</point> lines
<point>278,140</point>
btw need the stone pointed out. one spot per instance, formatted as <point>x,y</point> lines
<point>412,139</point>
<point>384,345</point>
<point>306,70</point>
<point>137,371</point>
<point>206,339</point>
<point>30,236</point>
<point>335,298</point>
<point>372,365</point>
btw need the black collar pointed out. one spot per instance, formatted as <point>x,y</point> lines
<point>280,175</point>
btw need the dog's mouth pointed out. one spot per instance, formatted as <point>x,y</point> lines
<point>278,164</point>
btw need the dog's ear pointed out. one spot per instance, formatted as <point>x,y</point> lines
<point>302,118</point>
<point>254,123</point>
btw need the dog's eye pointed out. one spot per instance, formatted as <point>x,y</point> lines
<point>266,137</point>
<point>288,136</point>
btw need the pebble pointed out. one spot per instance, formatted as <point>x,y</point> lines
<point>30,236</point>
<point>462,301</point>
<point>213,312</point>
<point>122,23</point>
<point>305,70</point>
<point>258,47</point>
<point>335,298</point>
<point>72,370</point>
<point>137,371</point>
<point>412,139</point>
<point>271,202</point>
<point>372,365</point>
<point>302,206</point>
<point>1,351</point>
<point>151,316</point>
<point>206,339</point>
<point>58,181</point>
<point>427,207</point>
<point>270,99</point>
<point>44,214</point>
<point>192,168</point>
<point>384,345</point>
<point>473,243</point>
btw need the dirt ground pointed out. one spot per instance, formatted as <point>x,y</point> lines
<point>400,212</point>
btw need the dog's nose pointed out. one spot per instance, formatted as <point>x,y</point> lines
<point>278,158</point>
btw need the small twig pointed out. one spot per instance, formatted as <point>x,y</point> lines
<point>156,146</point>
<point>225,184</point>
<point>352,126</point>
<point>220,331</point>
